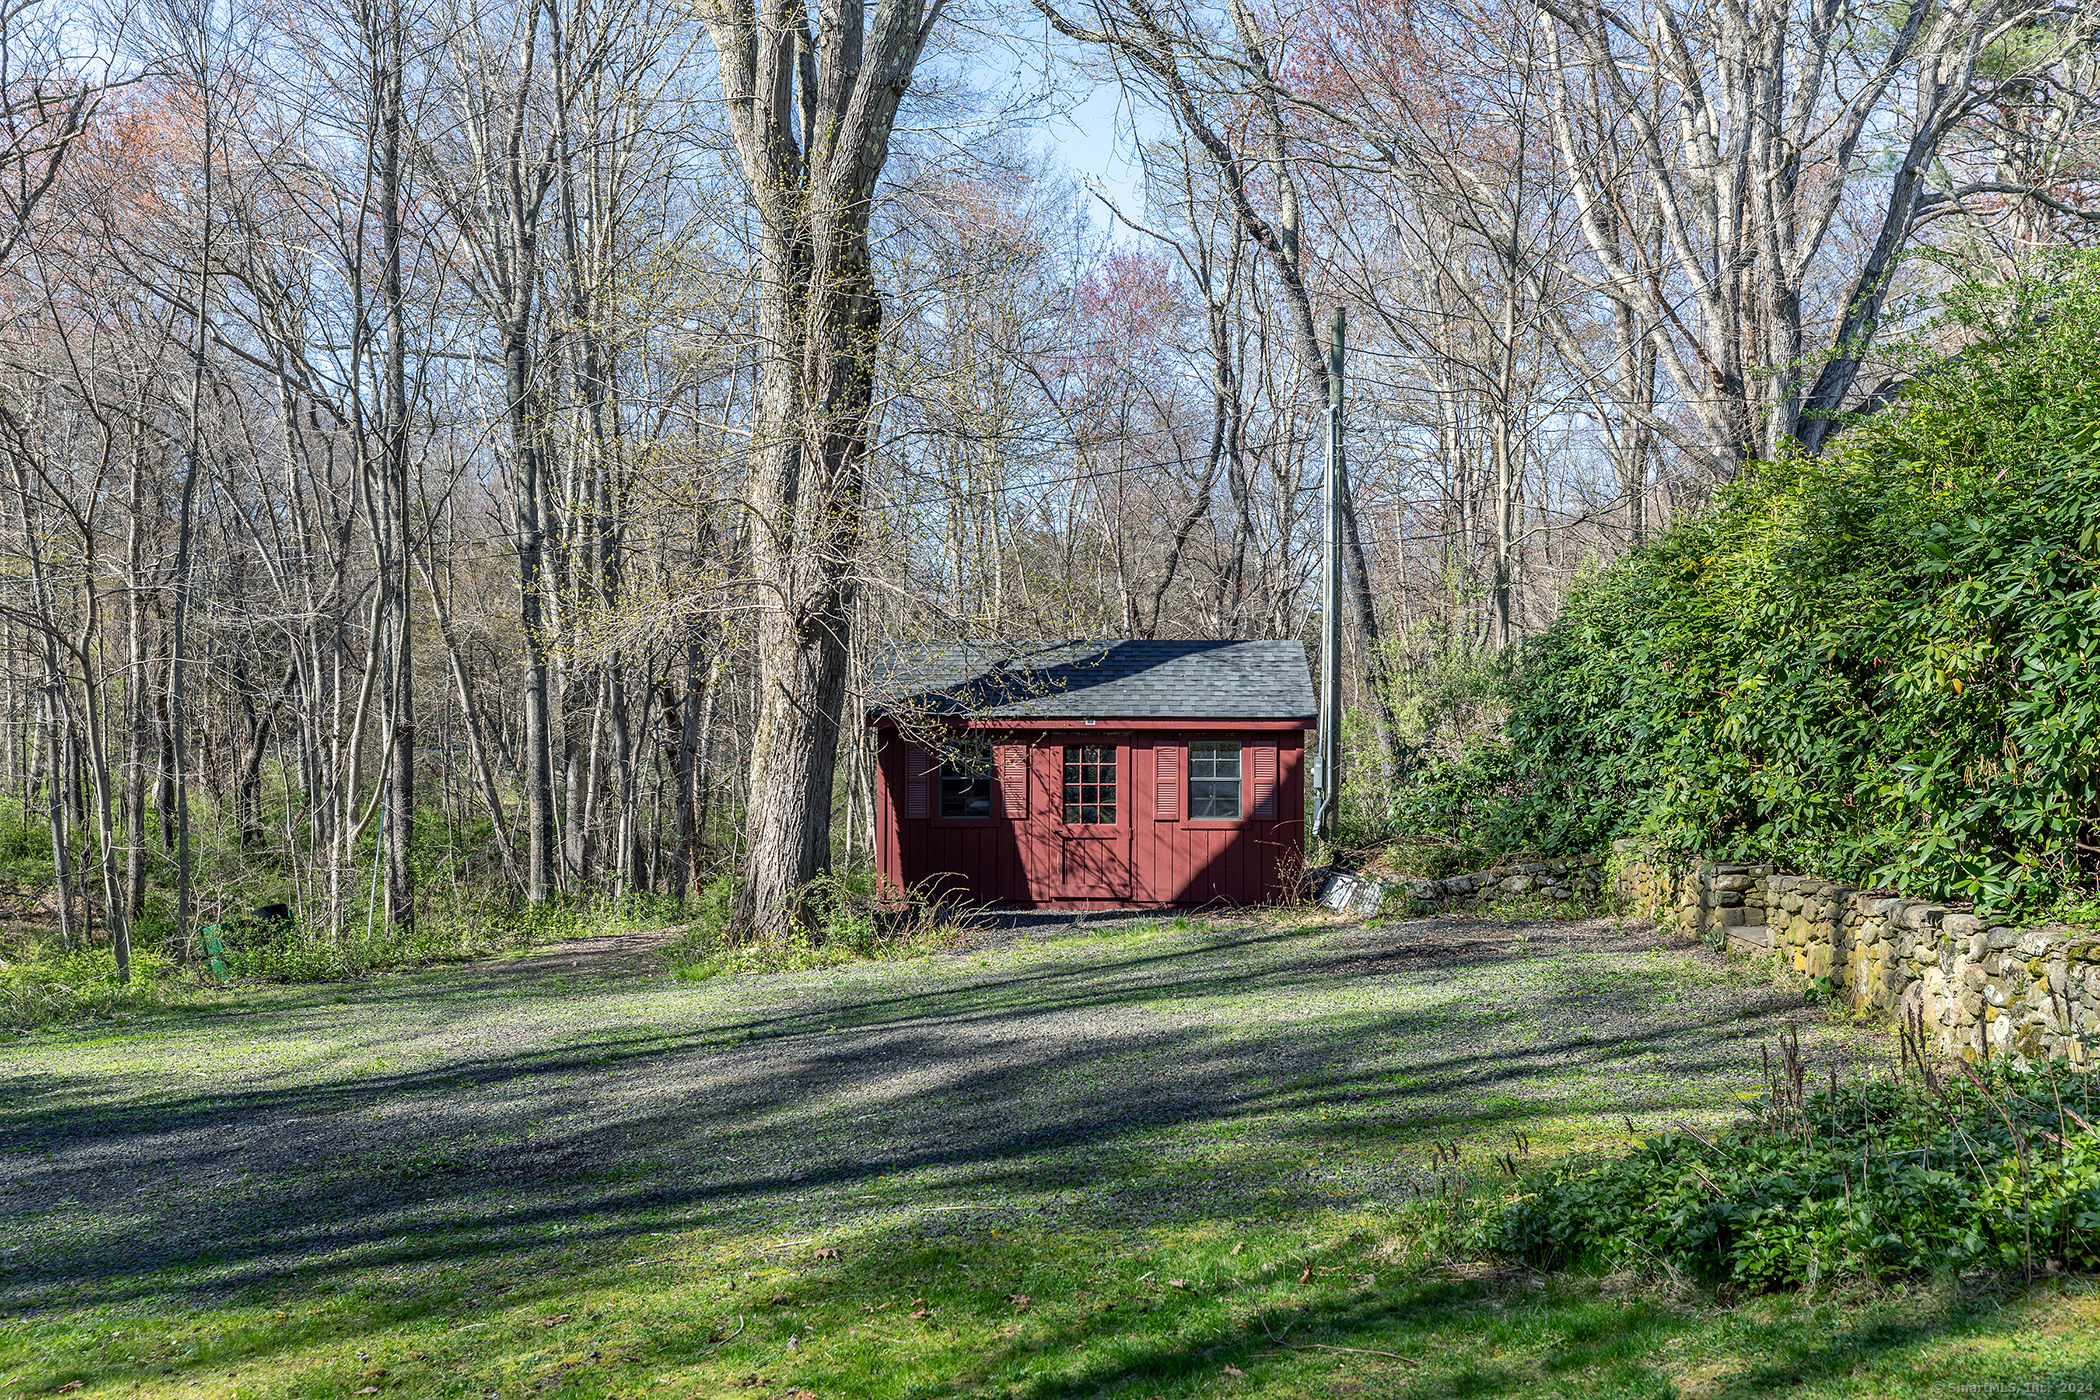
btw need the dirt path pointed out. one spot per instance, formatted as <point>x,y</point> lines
<point>639,953</point>
<point>1067,1073</point>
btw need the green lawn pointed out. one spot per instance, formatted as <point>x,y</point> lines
<point>1124,1162</point>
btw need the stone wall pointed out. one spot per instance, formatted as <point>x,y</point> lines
<point>1710,898</point>
<point>1981,987</point>
<point>1554,880</point>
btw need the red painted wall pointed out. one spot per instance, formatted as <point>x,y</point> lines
<point>1152,855</point>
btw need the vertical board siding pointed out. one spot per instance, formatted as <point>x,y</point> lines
<point>960,860</point>
<point>1166,780</point>
<point>1041,852</point>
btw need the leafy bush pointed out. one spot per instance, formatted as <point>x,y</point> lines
<point>1998,1169</point>
<point>1878,664</point>
<point>1421,856</point>
<point>1448,694</point>
<point>1448,689</point>
<point>25,851</point>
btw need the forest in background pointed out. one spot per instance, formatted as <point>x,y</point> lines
<point>472,456</point>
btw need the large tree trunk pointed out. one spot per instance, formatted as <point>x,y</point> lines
<point>810,109</point>
<point>806,498</point>
<point>532,545</point>
<point>388,50</point>
<point>136,688</point>
<point>247,787</point>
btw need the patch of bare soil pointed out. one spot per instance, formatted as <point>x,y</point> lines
<point>641,953</point>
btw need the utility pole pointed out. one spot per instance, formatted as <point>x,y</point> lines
<point>1327,774</point>
<point>192,464</point>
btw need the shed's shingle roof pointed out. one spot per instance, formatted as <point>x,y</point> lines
<point>1202,679</point>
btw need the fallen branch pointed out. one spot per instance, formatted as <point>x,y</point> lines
<point>1685,1127</point>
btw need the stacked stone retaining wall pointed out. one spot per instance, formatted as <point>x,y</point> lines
<point>1553,880</point>
<point>1981,987</point>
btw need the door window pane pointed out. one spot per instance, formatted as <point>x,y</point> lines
<point>1214,780</point>
<point>966,780</point>
<point>1090,784</point>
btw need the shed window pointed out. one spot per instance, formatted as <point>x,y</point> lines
<point>966,779</point>
<point>1214,780</point>
<point>1090,785</point>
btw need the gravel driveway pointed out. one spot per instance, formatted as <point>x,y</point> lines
<point>1121,1070</point>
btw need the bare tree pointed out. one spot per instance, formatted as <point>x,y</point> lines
<point>1223,90</point>
<point>1757,131</point>
<point>48,95</point>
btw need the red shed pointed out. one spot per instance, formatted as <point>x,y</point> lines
<point>1092,774</point>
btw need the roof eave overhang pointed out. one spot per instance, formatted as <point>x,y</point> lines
<point>887,719</point>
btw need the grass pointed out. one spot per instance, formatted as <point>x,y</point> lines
<point>42,982</point>
<point>1190,1161</point>
<point>703,951</point>
<point>1246,1310</point>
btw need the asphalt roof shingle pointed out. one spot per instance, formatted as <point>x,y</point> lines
<point>1207,679</point>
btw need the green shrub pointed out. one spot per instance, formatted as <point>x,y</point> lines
<point>25,850</point>
<point>1448,689</point>
<point>1878,665</point>
<point>1877,1179</point>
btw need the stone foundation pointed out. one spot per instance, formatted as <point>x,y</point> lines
<point>1982,988</point>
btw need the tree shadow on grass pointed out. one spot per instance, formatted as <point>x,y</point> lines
<point>1499,1335</point>
<point>1572,1340</point>
<point>1009,1089</point>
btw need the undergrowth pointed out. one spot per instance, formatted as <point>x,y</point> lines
<point>43,982</point>
<point>842,920</point>
<point>1581,903</point>
<point>1994,1168</point>
<point>451,930</point>
<point>843,917</point>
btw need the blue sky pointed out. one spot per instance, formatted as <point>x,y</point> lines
<point>1094,141</point>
